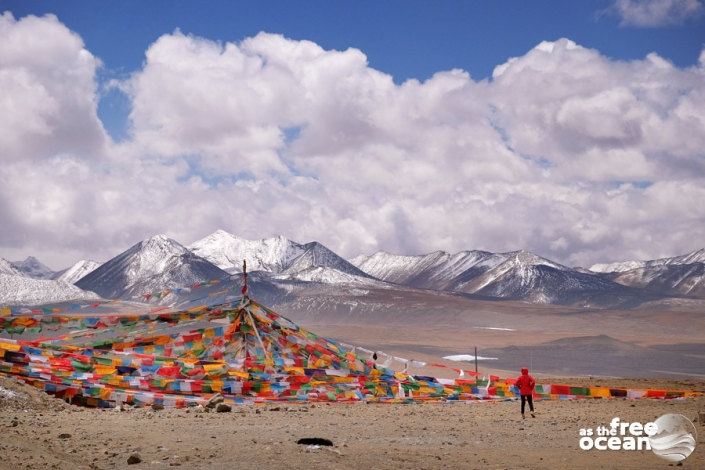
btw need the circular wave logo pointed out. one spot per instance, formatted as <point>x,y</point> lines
<point>675,439</point>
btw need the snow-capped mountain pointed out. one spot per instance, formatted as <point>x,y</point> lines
<point>623,266</point>
<point>438,270</point>
<point>8,268</point>
<point>227,251</point>
<point>286,259</point>
<point>23,290</point>
<point>33,268</point>
<point>319,264</point>
<point>157,263</point>
<point>516,275</point>
<point>679,275</point>
<point>283,269</point>
<point>525,276</point>
<point>316,255</point>
<point>76,272</point>
<point>674,279</point>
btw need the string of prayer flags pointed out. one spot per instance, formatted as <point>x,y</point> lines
<point>241,350</point>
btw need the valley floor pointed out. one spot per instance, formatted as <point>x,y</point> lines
<point>550,340</point>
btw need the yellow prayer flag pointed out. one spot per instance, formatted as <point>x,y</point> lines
<point>104,370</point>
<point>242,375</point>
<point>343,380</point>
<point>10,346</point>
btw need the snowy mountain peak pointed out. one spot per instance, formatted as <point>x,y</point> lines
<point>33,268</point>
<point>76,272</point>
<point>157,263</point>
<point>316,255</point>
<point>277,255</point>
<point>8,268</point>
<point>227,251</point>
<point>160,242</point>
<point>222,233</point>
<point>525,258</point>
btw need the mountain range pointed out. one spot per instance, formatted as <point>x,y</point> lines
<point>283,270</point>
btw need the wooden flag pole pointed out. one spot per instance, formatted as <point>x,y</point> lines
<point>475,358</point>
<point>244,277</point>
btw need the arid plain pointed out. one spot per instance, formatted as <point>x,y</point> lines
<point>634,349</point>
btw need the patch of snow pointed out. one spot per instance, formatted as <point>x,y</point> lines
<point>493,328</point>
<point>9,393</point>
<point>468,357</point>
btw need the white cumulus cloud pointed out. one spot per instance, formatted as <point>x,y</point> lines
<point>655,13</point>
<point>564,152</point>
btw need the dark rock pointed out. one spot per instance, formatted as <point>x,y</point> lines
<point>223,408</point>
<point>157,406</point>
<point>134,458</point>
<point>64,435</point>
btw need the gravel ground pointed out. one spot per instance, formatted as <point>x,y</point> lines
<point>39,432</point>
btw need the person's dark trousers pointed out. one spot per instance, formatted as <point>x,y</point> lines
<point>524,399</point>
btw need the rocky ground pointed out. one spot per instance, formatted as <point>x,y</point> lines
<point>38,432</point>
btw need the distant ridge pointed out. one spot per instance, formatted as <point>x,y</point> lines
<point>33,268</point>
<point>518,275</point>
<point>623,266</point>
<point>283,269</point>
<point>680,275</point>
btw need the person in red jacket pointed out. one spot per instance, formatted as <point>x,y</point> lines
<point>526,383</point>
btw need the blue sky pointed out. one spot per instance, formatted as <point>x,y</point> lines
<point>571,129</point>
